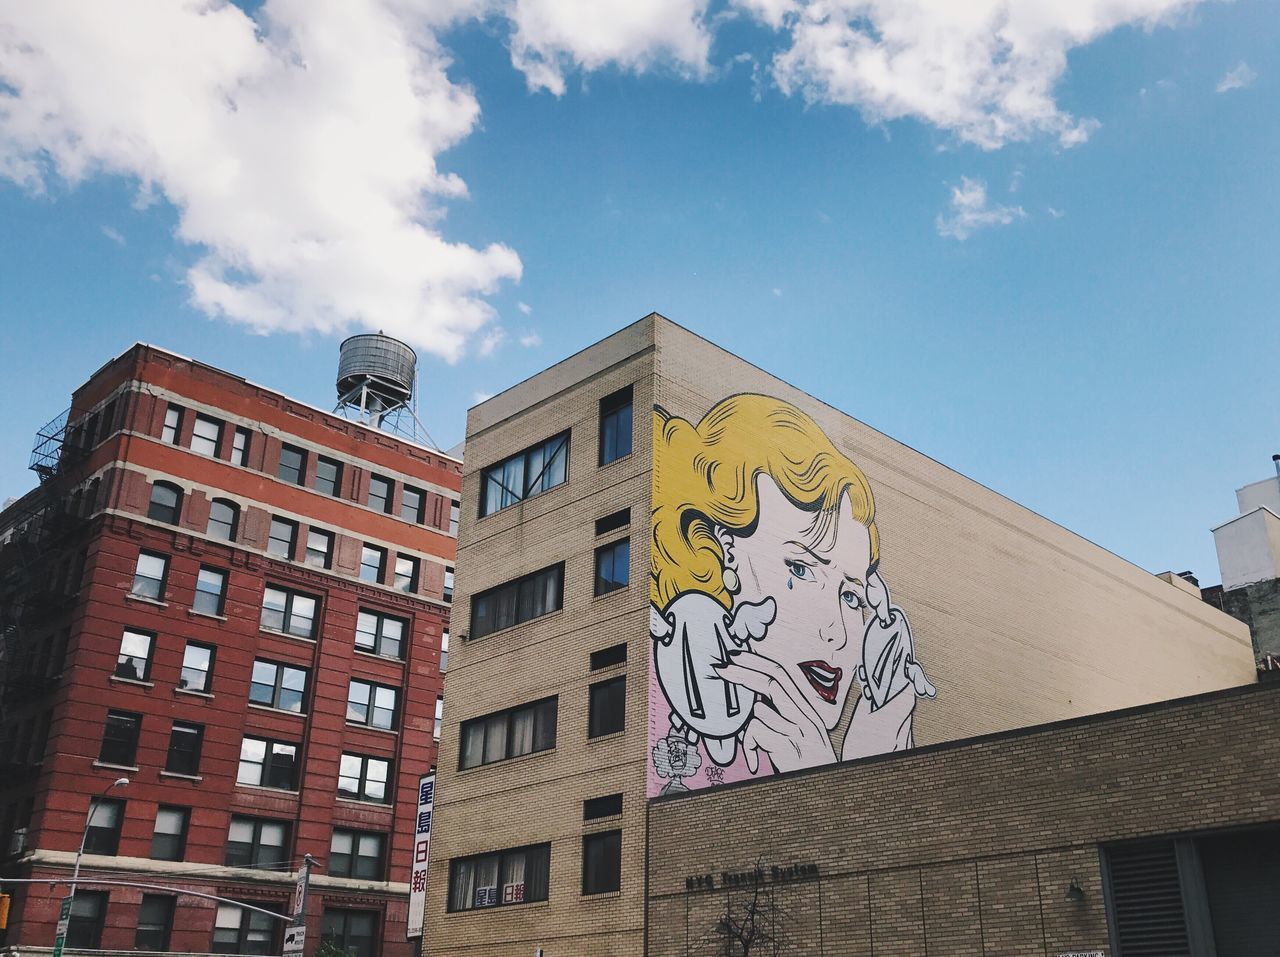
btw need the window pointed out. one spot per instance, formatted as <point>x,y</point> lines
<point>240,931</point>
<point>455,511</point>
<point>602,862</point>
<point>411,500</point>
<point>328,476</point>
<point>380,493</point>
<point>354,932</point>
<point>613,566</point>
<point>240,447</point>
<point>269,764</point>
<point>211,591</point>
<point>149,576</point>
<point>293,464</point>
<point>88,914</point>
<point>185,743</point>
<point>371,704</point>
<point>613,521</point>
<point>380,634</point>
<point>373,563</point>
<point>206,437</point>
<point>223,518</point>
<point>172,425</point>
<point>319,548</point>
<point>615,426</point>
<point>447,594</point>
<point>508,734</point>
<point>169,837</point>
<point>525,475</point>
<point>444,652</point>
<point>283,538</point>
<point>357,854</point>
<point>606,657</point>
<point>608,707</point>
<point>288,611</point>
<point>103,833</point>
<point>166,503</point>
<point>608,806</point>
<point>278,686</point>
<point>518,601</point>
<point>255,842</point>
<point>363,778</point>
<point>439,719</point>
<point>134,660</point>
<point>406,573</point>
<point>155,920</point>
<point>517,876</point>
<point>197,667</point>
<point>120,738</point>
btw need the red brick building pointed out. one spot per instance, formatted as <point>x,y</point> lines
<point>239,603</point>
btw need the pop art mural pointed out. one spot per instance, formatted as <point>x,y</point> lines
<point>775,639</point>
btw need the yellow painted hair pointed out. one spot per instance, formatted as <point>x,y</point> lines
<point>705,475</point>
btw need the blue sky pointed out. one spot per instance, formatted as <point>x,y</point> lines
<point>1074,303</point>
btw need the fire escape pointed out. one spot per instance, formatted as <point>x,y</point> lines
<point>40,566</point>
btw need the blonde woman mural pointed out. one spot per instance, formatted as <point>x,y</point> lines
<point>766,603</point>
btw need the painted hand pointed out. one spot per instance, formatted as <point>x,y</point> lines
<point>880,730</point>
<point>784,726</point>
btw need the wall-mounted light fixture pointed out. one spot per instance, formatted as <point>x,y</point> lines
<point>1075,892</point>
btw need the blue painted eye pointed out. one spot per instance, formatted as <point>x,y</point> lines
<point>799,570</point>
<point>851,599</point>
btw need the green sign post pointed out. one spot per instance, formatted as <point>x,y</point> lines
<point>64,921</point>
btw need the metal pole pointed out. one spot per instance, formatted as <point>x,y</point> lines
<point>64,915</point>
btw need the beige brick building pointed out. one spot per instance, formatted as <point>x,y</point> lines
<point>676,572</point>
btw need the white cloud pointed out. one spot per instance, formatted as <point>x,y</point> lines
<point>299,151</point>
<point>524,307</point>
<point>1243,75</point>
<point>777,291</point>
<point>1055,213</point>
<point>531,340</point>
<point>113,234</point>
<point>971,210</point>
<point>984,70</point>
<point>493,337</point>
<point>552,37</point>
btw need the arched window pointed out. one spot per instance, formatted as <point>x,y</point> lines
<point>223,518</point>
<point>166,503</point>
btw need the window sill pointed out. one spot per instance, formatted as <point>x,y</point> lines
<point>143,600</point>
<point>117,679</point>
<point>506,762</point>
<point>377,657</point>
<point>267,787</point>
<point>194,693</point>
<point>115,767</point>
<point>267,707</point>
<point>192,613</point>
<point>285,634</point>
<point>607,736</point>
<point>197,778</point>
<point>499,908</point>
<point>369,727</point>
<point>603,895</point>
<point>620,458</point>
<point>611,591</point>
<point>364,802</point>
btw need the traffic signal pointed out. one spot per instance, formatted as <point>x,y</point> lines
<point>4,911</point>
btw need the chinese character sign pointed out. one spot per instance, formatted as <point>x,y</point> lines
<point>421,855</point>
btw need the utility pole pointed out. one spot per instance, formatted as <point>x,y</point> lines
<point>295,935</point>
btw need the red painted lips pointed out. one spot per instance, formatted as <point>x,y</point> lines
<point>825,678</point>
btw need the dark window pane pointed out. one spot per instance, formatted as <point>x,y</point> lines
<point>88,914</point>
<point>120,738</point>
<point>380,493</point>
<point>411,502</point>
<point>608,806</point>
<point>185,742</point>
<point>222,520</point>
<point>166,503</point>
<point>293,464</point>
<point>607,707</point>
<point>155,919</point>
<point>328,476</point>
<point>602,862</point>
<point>169,837</point>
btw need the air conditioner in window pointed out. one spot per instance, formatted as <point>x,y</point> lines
<point>18,842</point>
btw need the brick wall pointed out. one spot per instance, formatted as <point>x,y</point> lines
<point>966,848</point>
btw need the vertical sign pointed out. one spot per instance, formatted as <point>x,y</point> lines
<point>64,924</point>
<point>421,854</point>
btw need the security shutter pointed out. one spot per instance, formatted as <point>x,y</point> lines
<point>1242,877</point>
<point>1146,900</point>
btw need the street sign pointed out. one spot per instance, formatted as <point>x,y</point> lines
<point>294,940</point>
<point>64,923</point>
